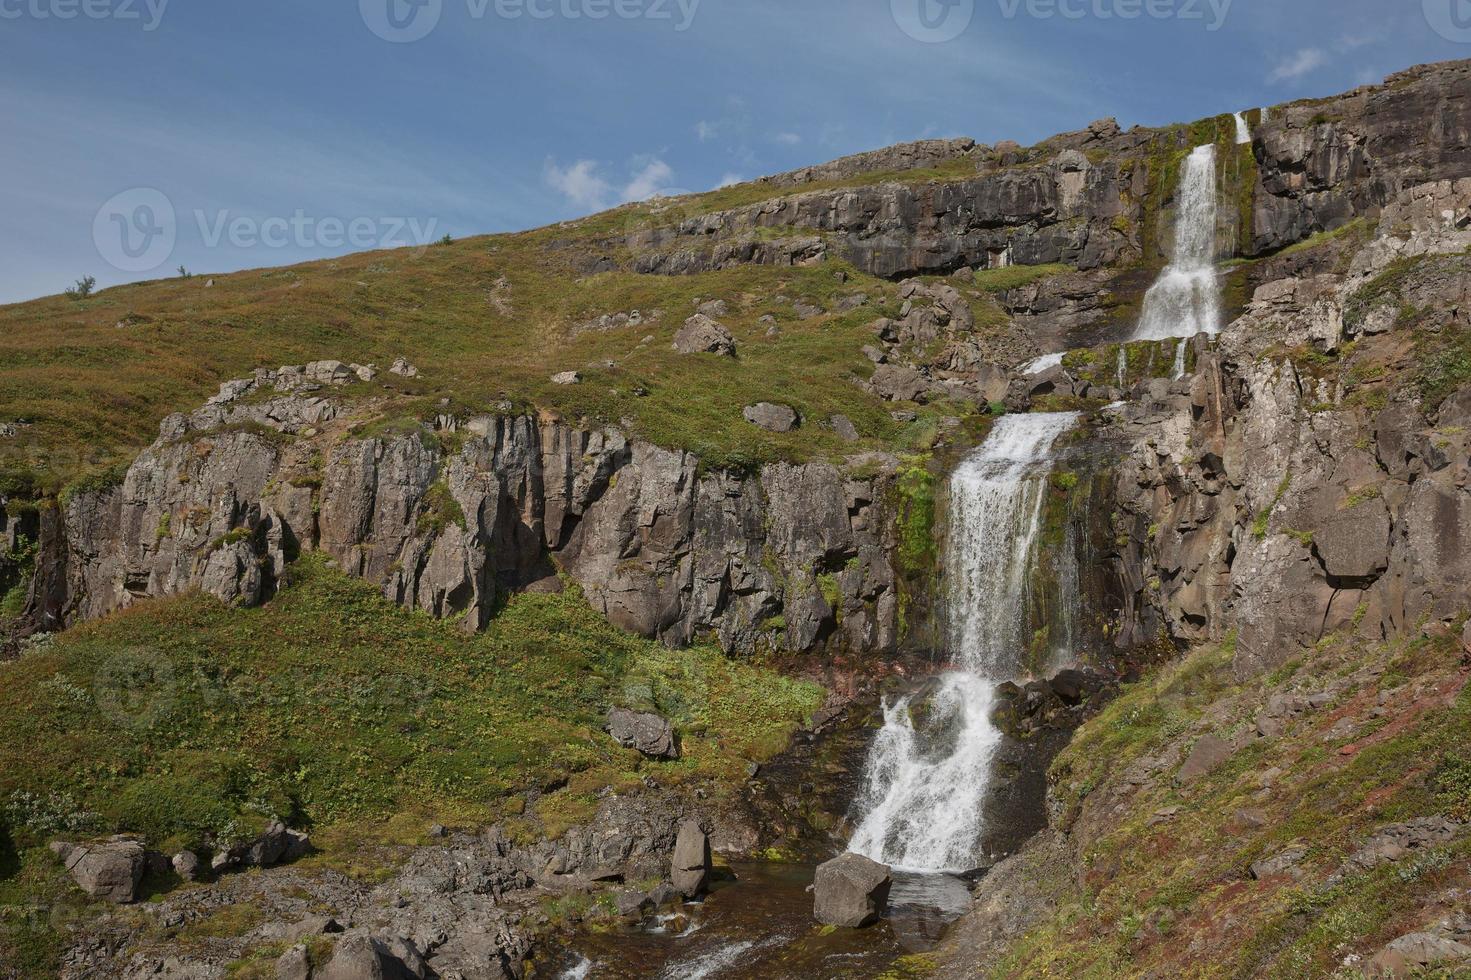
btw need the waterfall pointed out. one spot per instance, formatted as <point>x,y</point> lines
<point>1243,131</point>
<point>928,770</point>
<point>1186,299</point>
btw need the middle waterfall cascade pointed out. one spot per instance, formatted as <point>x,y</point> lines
<point>925,786</point>
<point>1243,131</point>
<point>1186,299</point>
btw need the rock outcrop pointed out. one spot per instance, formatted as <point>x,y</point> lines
<point>229,494</point>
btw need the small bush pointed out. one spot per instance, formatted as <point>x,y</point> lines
<point>82,289</point>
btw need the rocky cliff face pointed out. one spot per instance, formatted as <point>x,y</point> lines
<point>1293,481</point>
<point>447,521</point>
<point>1308,476</point>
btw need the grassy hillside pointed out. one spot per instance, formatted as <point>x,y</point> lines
<point>185,720</point>
<point>1160,881</point>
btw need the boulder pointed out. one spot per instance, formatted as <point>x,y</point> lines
<point>703,335</point>
<point>897,383</point>
<point>649,733</point>
<point>111,870</point>
<point>844,427</point>
<point>633,905</point>
<point>771,417</point>
<point>403,369</point>
<point>851,891</point>
<point>691,864</point>
<point>294,964</point>
<point>567,378</point>
<point>1408,955</point>
<point>362,957</point>
<point>1209,753</point>
<point>186,865</point>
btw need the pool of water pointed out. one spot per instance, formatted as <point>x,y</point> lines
<point>757,922</point>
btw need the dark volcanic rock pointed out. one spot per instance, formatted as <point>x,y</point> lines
<point>649,733</point>
<point>851,891</point>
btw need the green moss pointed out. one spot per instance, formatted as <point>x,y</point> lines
<point>1260,525</point>
<point>439,510</point>
<point>916,487</point>
<point>1017,276</point>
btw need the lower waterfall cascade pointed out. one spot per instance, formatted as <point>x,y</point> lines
<point>925,784</point>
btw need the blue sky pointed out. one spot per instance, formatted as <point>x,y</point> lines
<point>270,126</point>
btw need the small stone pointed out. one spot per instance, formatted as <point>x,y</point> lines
<point>403,369</point>
<point>567,378</point>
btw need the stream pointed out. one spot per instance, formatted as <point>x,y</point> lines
<point>757,922</point>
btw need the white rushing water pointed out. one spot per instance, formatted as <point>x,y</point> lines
<point>1243,131</point>
<point>929,767</point>
<point>1186,299</point>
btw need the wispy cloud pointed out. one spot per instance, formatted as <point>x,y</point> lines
<point>579,183</point>
<point>652,180</point>
<point>1297,65</point>
<point>584,186</point>
<point>788,139</point>
<point>729,180</point>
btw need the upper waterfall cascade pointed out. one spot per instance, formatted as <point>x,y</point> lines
<point>925,787</point>
<point>1186,299</point>
<point>1243,130</point>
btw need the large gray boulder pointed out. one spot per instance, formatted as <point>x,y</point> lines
<point>362,957</point>
<point>851,891</point>
<point>771,417</point>
<point>111,870</point>
<point>649,733</point>
<point>702,335</point>
<point>691,864</point>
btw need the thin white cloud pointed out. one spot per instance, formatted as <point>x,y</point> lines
<point>584,186</point>
<point>705,131</point>
<point>579,183</point>
<point>788,139</point>
<point>730,180</point>
<point>1303,62</point>
<point>1349,43</point>
<point>651,181</point>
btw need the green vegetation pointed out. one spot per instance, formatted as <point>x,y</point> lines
<point>1017,276</point>
<point>1165,888</point>
<point>192,723</point>
<point>486,320</point>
